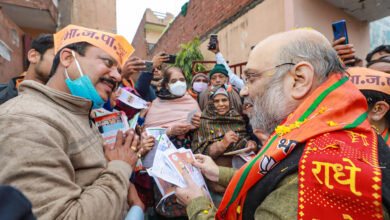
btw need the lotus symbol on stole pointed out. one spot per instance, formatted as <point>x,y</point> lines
<point>266,164</point>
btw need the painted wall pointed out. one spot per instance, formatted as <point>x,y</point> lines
<point>320,15</point>
<point>236,39</point>
<point>97,14</point>
<point>273,16</point>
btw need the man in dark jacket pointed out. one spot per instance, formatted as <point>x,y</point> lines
<point>39,62</point>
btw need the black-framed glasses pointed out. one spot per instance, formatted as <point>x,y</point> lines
<point>247,77</point>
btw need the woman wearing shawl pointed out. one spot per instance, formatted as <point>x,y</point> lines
<point>222,128</point>
<point>171,110</point>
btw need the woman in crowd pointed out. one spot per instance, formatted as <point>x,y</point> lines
<point>222,130</point>
<point>172,109</point>
<point>199,83</point>
<point>374,86</point>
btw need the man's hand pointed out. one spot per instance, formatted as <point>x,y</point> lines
<point>147,144</point>
<point>125,148</point>
<point>133,198</point>
<point>178,129</point>
<point>131,66</point>
<point>195,120</point>
<point>344,51</point>
<point>187,194</point>
<point>230,137</point>
<point>252,146</point>
<point>207,166</point>
<point>216,50</point>
<point>144,112</point>
<point>159,59</point>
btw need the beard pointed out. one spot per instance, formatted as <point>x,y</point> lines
<point>271,108</point>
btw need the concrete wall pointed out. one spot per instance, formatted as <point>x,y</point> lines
<point>236,39</point>
<point>12,36</point>
<point>320,15</point>
<point>97,14</point>
<point>203,17</point>
<point>273,16</point>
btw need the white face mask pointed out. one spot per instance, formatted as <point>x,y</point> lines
<point>178,88</point>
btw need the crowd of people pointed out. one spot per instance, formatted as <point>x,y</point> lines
<point>316,123</point>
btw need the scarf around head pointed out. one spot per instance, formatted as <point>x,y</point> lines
<point>334,106</point>
<point>214,127</point>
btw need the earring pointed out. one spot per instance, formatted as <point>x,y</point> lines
<point>376,108</point>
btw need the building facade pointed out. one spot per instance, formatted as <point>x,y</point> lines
<point>241,24</point>
<point>22,20</point>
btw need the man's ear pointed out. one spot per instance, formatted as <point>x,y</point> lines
<point>301,79</point>
<point>66,57</point>
<point>379,111</point>
<point>33,56</point>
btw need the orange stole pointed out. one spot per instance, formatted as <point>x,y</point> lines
<point>339,177</point>
<point>192,94</point>
<point>385,136</point>
<point>128,83</point>
<point>322,112</point>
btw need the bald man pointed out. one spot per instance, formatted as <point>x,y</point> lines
<point>322,159</point>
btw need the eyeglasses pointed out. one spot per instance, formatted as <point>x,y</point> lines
<point>257,74</point>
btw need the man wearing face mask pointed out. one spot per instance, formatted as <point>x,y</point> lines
<point>53,152</point>
<point>219,76</point>
<point>199,83</point>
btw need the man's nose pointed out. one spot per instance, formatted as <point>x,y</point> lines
<point>244,92</point>
<point>115,75</point>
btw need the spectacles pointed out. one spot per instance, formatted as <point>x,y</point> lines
<point>257,74</point>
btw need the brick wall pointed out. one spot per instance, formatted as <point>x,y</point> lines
<point>203,18</point>
<point>11,35</point>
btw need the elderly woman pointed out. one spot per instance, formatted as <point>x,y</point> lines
<point>171,109</point>
<point>222,129</point>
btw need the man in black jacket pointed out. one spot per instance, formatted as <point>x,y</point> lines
<point>39,62</point>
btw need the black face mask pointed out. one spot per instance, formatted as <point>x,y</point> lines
<point>385,59</point>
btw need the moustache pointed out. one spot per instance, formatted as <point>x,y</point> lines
<point>111,81</point>
<point>248,101</point>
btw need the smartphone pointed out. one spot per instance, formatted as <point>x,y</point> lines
<point>172,58</point>
<point>340,30</point>
<point>213,42</point>
<point>149,66</point>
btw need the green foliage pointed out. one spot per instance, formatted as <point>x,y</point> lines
<point>189,52</point>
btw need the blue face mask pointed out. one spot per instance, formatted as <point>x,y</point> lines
<point>83,87</point>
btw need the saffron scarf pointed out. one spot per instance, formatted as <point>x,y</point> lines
<point>385,136</point>
<point>335,106</point>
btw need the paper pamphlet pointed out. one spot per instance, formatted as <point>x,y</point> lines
<point>239,160</point>
<point>149,157</point>
<point>134,120</point>
<point>168,167</point>
<point>190,115</point>
<point>131,100</point>
<point>109,125</point>
<point>240,151</point>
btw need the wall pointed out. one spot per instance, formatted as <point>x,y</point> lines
<point>236,39</point>
<point>35,32</point>
<point>203,17</point>
<point>139,41</point>
<point>96,14</point>
<point>320,15</point>
<point>9,69</point>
